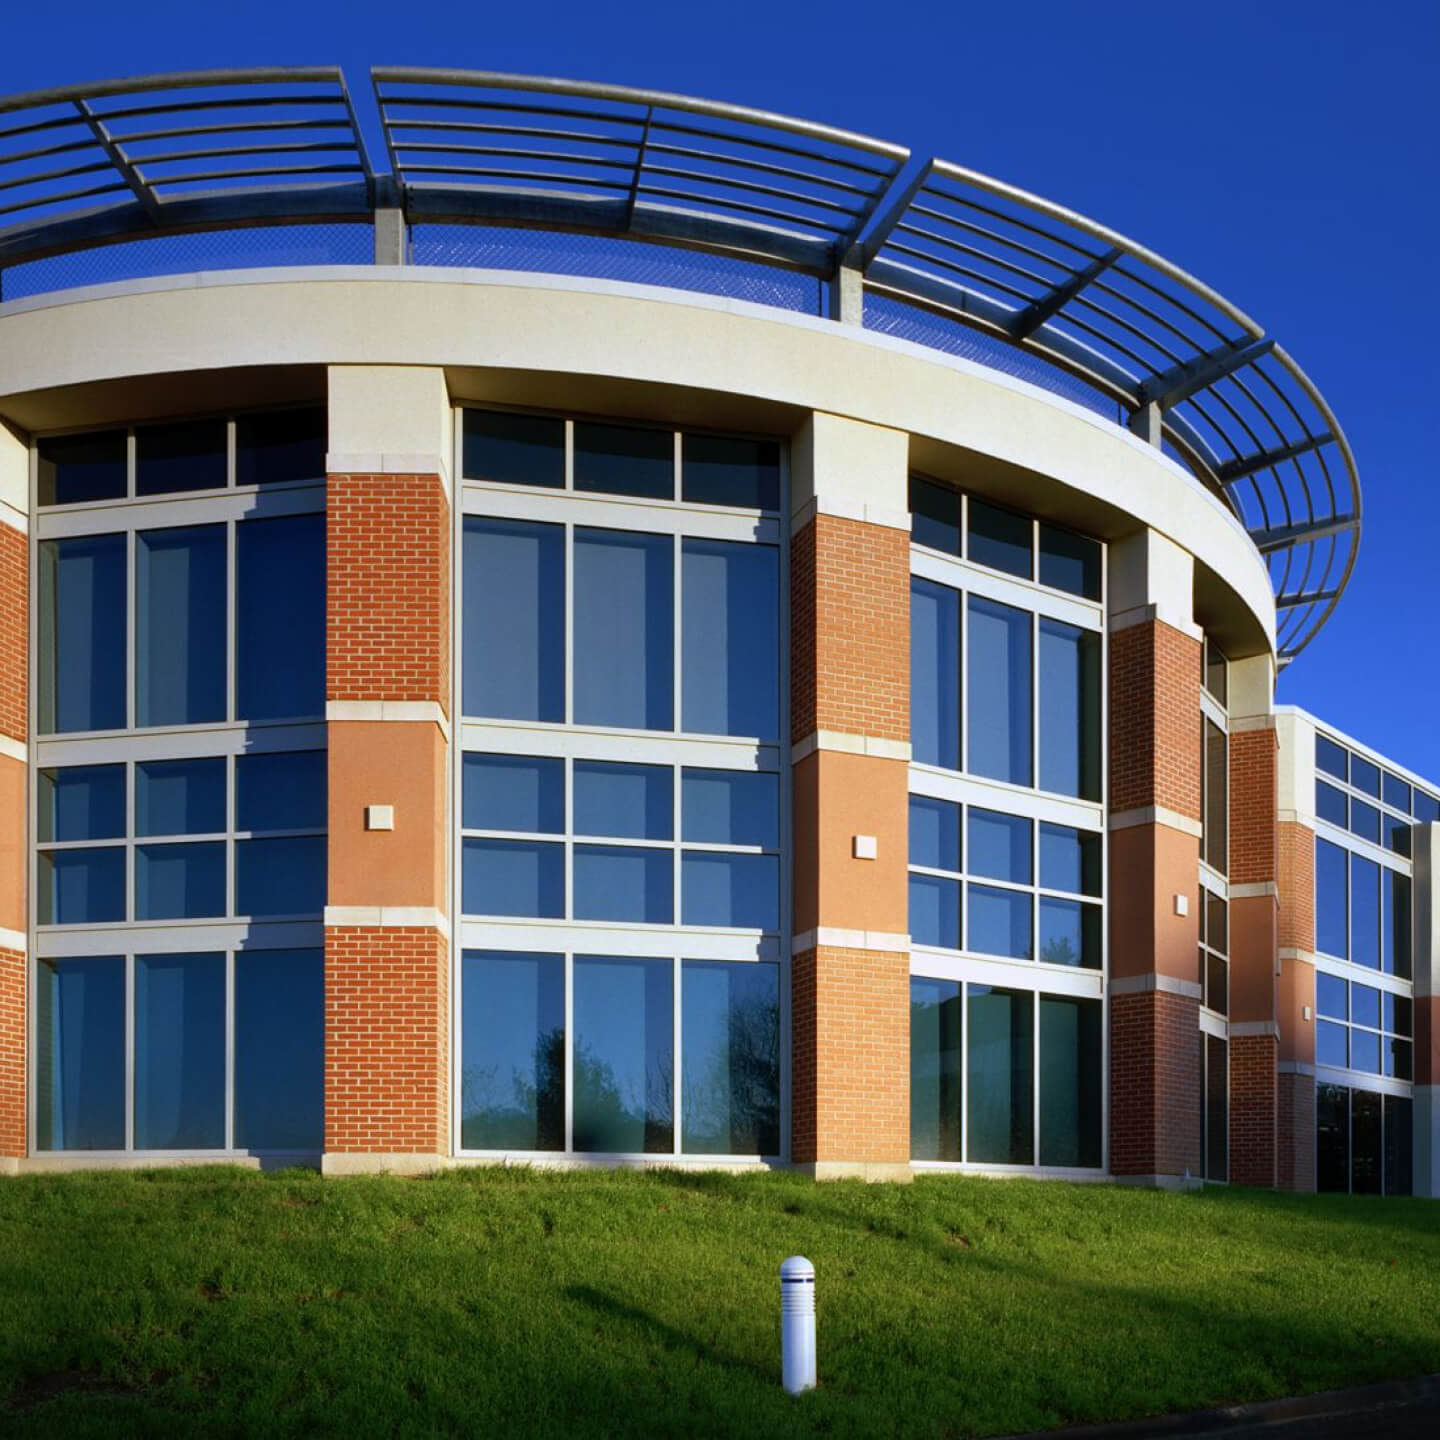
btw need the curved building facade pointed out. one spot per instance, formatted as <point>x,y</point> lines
<point>656,633</point>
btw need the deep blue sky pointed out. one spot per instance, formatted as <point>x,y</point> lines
<point>1285,151</point>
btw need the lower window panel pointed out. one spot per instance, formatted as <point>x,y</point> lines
<point>179,1091</point>
<point>620,1051</point>
<point>1363,1142</point>
<point>1005,1077</point>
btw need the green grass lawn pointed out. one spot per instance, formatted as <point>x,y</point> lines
<point>495,1302</point>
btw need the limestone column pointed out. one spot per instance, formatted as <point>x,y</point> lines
<point>14,732</point>
<point>1155,832</point>
<point>387,963</point>
<point>850,729</point>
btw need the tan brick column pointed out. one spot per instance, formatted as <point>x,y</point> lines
<point>1154,862</point>
<point>850,727</point>
<point>387,964</point>
<point>1254,919</point>
<point>14,712</point>
<point>1295,944</point>
<point>1426,845</point>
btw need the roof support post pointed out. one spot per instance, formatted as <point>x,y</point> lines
<point>390,229</point>
<point>1148,422</point>
<point>847,295</point>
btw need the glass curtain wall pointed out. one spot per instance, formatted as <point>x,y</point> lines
<point>1007,847</point>
<point>1213,912</point>
<point>180,786</point>
<point>621,790</point>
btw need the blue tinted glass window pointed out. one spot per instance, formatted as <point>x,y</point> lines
<point>513,877</point>
<point>82,634</point>
<point>1069,710</point>
<point>272,447</point>
<point>179,1052</point>
<point>1332,1044</point>
<point>935,911</point>
<point>185,456</point>
<point>514,661</point>
<point>1427,808</point>
<point>999,922</point>
<point>934,833</point>
<point>1069,562</point>
<point>934,516</point>
<point>1071,1087</point>
<point>742,891</point>
<point>281,790</point>
<point>624,1057</point>
<point>731,639</point>
<point>1364,776</point>
<point>80,1053</point>
<point>512,1052</point>
<point>722,470</point>
<point>1332,924</point>
<point>1365,1051</point>
<point>731,1076</point>
<point>1331,804</point>
<point>1001,540</point>
<point>623,460</point>
<point>624,630</point>
<point>72,469</point>
<point>180,626</point>
<point>935,674</point>
<point>1364,912</point>
<point>1365,820</point>
<point>633,802</point>
<point>1398,959</point>
<point>1330,996</point>
<point>998,685</point>
<point>1396,834</point>
<point>280,877</point>
<point>1331,758</point>
<point>999,1078</point>
<point>1069,859</point>
<point>1000,846</point>
<point>180,797</point>
<point>1069,933</point>
<point>179,882</point>
<point>730,807</point>
<point>280,618</point>
<point>618,882</point>
<point>514,449</point>
<point>935,1070</point>
<point>1365,1006</point>
<point>81,887</point>
<point>279,1050</point>
<point>1396,793</point>
<point>81,802</point>
<point>514,792</point>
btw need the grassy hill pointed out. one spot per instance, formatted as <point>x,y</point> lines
<point>514,1302</point>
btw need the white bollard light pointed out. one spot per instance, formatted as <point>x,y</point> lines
<point>797,1324</point>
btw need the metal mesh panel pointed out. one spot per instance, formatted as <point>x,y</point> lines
<point>605,258</point>
<point>183,254</point>
<point>906,322</point>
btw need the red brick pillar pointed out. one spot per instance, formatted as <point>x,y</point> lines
<point>850,727</point>
<point>14,710</point>
<point>387,963</point>
<point>1154,863</point>
<point>1295,945</point>
<point>1254,920</point>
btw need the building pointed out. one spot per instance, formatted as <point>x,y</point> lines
<point>655,631</point>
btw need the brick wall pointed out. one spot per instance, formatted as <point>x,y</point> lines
<point>1155,719</point>
<point>1154,1084</point>
<point>387,1024</point>
<point>850,630</point>
<point>1295,1123</point>
<point>14,653</point>
<point>1253,758</point>
<point>388,588</point>
<point>1295,847</point>
<point>12,1053</point>
<point>1253,1121</point>
<point>850,1015</point>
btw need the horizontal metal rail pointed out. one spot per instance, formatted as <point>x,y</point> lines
<point>83,166</point>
